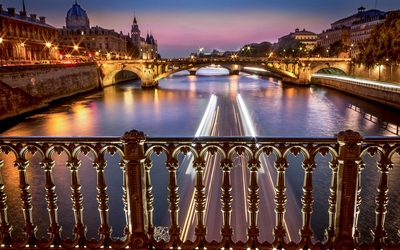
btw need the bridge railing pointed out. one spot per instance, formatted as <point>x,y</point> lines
<point>136,149</point>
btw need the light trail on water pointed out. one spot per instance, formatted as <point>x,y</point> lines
<point>211,126</point>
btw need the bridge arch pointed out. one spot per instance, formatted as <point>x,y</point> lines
<point>331,70</point>
<point>110,77</point>
<point>331,67</point>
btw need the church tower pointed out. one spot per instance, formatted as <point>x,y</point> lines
<point>135,33</point>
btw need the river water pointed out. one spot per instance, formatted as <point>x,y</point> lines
<point>176,108</point>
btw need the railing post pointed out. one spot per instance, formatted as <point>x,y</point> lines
<point>135,180</point>
<point>349,161</point>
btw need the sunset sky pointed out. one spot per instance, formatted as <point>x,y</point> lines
<point>182,26</point>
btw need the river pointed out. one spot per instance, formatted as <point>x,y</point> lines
<point>176,108</point>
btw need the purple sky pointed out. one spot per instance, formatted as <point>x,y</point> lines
<point>182,26</point>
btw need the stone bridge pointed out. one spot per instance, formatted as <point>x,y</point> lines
<point>297,70</point>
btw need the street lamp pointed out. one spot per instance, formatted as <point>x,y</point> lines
<point>76,47</point>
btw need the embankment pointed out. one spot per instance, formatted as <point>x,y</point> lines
<point>379,95</point>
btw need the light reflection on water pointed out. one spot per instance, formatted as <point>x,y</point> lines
<point>176,108</point>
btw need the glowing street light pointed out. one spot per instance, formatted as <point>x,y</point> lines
<point>48,45</point>
<point>97,53</point>
<point>76,47</point>
<point>22,44</point>
<point>1,40</point>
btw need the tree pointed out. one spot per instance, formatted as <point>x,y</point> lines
<point>317,51</point>
<point>290,48</point>
<point>336,48</point>
<point>383,43</point>
<point>133,51</point>
<point>257,50</point>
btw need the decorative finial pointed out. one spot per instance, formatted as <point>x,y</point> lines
<point>76,1</point>
<point>23,6</point>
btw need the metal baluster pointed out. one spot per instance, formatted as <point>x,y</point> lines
<point>330,232</point>
<point>149,197</point>
<point>226,199</point>
<point>26,198</point>
<point>102,197</point>
<point>200,197</point>
<point>51,198</point>
<point>5,227</point>
<point>173,199</point>
<point>76,197</point>
<point>307,199</point>
<point>122,165</point>
<point>358,201</point>
<point>253,231</point>
<point>382,199</point>
<point>280,200</point>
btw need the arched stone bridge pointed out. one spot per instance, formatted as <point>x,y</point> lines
<point>297,70</point>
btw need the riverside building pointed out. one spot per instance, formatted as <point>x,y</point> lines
<point>148,46</point>
<point>349,30</point>
<point>304,36</point>
<point>78,39</point>
<point>26,39</point>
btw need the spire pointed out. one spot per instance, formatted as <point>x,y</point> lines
<point>23,6</point>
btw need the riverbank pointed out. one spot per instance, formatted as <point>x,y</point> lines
<point>28,88</point>
<point>379,92</point>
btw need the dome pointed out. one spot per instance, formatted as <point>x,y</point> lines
<point>77,17</point>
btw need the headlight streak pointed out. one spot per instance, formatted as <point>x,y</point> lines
<point>249,129</point>
<point>210,108</point>
<point>359,80</point>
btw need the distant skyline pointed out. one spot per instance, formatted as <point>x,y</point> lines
<point>182,26</point>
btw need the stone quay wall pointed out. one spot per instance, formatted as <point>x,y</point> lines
<point>31,87</point>
<point>51,82</point>
<point>381,96</point>
<point>14,101</point>
<point>385,72</point>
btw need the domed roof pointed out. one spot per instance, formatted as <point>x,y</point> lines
<point>77,17</point>
<point>76,12</point>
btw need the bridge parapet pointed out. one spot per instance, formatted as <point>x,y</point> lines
<point>347,150</point>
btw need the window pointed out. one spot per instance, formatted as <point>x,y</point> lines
<point>82,33</point>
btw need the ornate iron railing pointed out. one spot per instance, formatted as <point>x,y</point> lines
<point>346,149</point>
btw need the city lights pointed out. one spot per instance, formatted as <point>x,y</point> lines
<point>76,47</point>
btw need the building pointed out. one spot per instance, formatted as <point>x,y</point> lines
<point>78,39</point>
<point>148,46</point>
<point>304,36</point>
<point>26,39</point>
<point>361,29</point>
<point>342,29</point>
